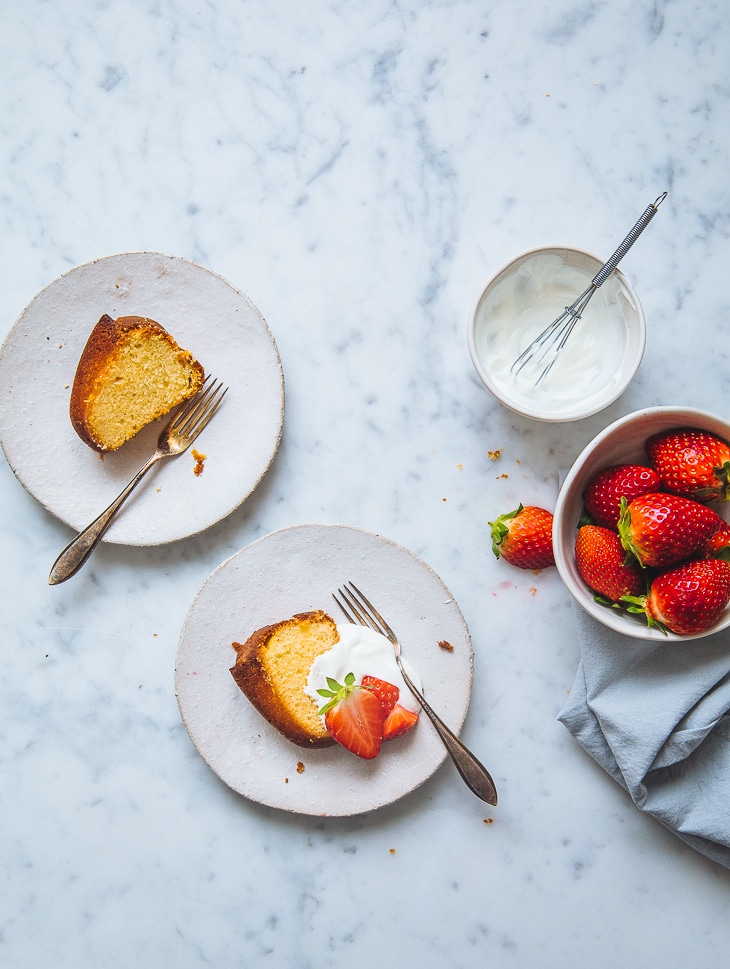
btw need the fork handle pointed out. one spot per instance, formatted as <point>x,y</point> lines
<point>80,548</point>
<point>474,774</point>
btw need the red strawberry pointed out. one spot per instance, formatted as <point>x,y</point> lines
<point>601,561</point>
<point>661,530</point>
<point>688,599</point>
<point>353,717</point>
<point>524,537</point>
<point>398,722</point>
<point>718,546</point>
<point>604,492</point>
<point>692,463</point>
<point>387,693</point>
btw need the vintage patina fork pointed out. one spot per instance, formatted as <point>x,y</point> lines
<point>358,609</point>
<point>175,438</point>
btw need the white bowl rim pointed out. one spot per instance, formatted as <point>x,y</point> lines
<point>530,412</point>
<point>617,621</point>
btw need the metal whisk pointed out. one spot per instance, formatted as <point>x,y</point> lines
<point>544,349</point>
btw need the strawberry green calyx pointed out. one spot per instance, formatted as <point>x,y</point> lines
<point>337,692</point>
<point>637,606</point>
<point>500,529</point>
<point>605,601</point>
<point>723,476</point>
<point>711,493</point>
<point>722,553</point>
<point>624,531</point>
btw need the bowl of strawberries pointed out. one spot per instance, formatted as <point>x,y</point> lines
<point>640,531</point>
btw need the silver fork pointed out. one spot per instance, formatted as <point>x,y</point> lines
<point>358,609</point>
<point>175,438</point>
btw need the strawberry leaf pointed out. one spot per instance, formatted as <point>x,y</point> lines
<point>723,476</point>
<point>624,530</point>
<point>500,529</point>
<point>336,692</point>
<point>603,601</point>
<point>637,606</point>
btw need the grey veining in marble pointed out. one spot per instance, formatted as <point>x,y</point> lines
<point>358,170</point>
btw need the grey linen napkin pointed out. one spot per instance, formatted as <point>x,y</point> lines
<point>656,716</point>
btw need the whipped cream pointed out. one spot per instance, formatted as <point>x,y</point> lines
<point>523,303</point>
<point>363,652</point>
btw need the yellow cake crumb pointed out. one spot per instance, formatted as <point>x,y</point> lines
<point>199,459</point>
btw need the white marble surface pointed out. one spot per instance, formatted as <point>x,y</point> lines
<point>358,169</point>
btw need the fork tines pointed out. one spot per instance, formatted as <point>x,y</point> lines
<point>358,605</point>
<point>348,605</point>
<point>192,418</point>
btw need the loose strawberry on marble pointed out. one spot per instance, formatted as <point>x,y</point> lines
<point>687,599</point>
<point>691,462</point>
<point>603,494</point>
<point>601,561</point>
<point>660,530</point>
<point>353,716</point>
<point>524,537</point>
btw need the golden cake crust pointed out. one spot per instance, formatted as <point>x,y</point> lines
<point>271,669</point>
<point>103,371</point>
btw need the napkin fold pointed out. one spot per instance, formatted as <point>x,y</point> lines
<point>656,717</point>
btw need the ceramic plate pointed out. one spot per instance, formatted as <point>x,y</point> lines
<point>208,317</point>
<point>296,570</point>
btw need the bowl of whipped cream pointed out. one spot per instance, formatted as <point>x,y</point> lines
<point>597,361</point>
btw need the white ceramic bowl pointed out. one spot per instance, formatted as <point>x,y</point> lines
<point>621,443</point>
<point>598,361</point>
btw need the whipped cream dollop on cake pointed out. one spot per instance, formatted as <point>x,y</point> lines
<point>364,652</point>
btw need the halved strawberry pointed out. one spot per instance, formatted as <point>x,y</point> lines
<point>353,717</point>
<point>692,463</point>
<point>604,492</point>
<point>662,529</point>
<point>688,599</point>
<point>398,722</point>
<point>524,537</point>
<point>601,561</point>
<point>386,692</point>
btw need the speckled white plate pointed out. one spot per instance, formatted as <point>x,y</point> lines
<point>296,570</point>
<point>208,317</point>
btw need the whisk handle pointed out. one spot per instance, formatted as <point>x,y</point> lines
<point>644,220</point>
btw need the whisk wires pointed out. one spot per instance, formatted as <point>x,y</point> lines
<point>543,351</point>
